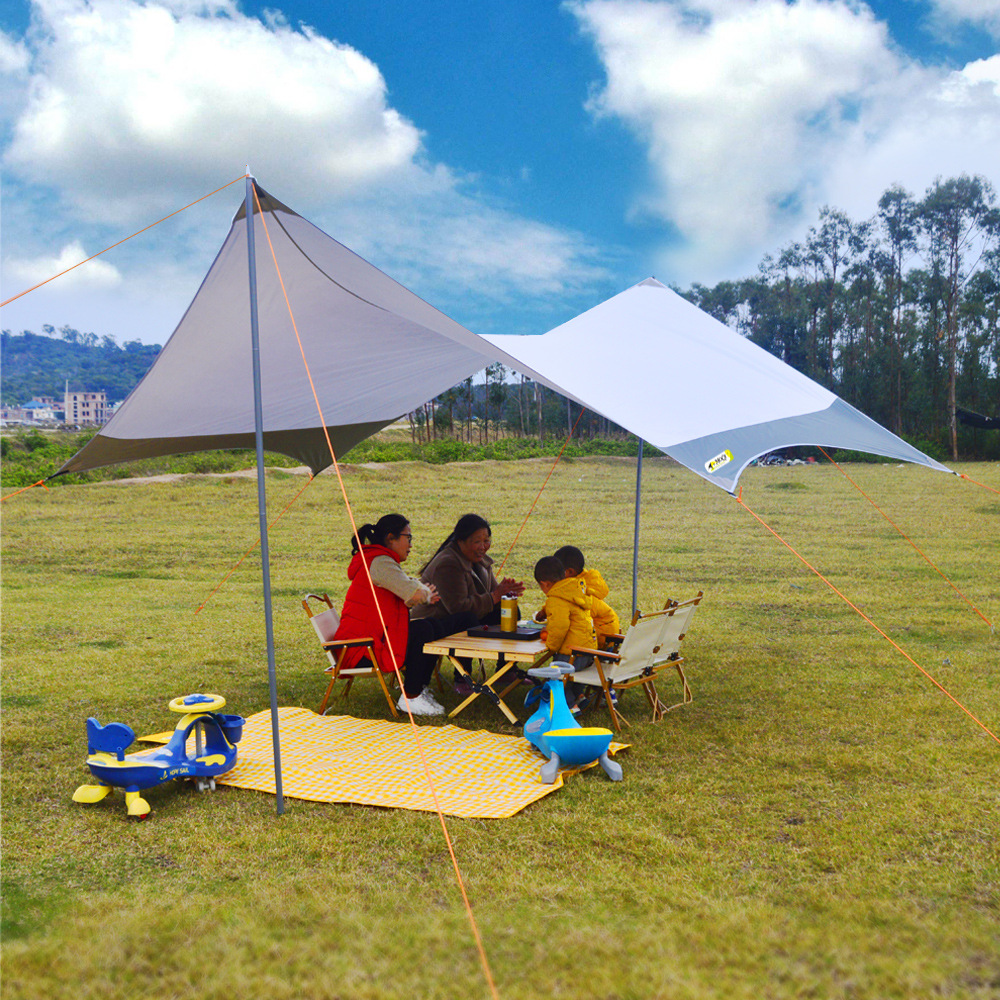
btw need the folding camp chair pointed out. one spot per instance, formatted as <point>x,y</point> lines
<point>651,645</point>
<point>326,623</point>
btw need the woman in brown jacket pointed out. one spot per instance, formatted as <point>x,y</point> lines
<point>462,574</point>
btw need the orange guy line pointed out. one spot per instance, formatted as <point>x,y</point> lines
<point>853,606</point>
<point>119,243</point>
<point>430,781</point>
<point>239,561</point>
<point>916,548</point>
<point>41,482</point>
<point>538,495</point>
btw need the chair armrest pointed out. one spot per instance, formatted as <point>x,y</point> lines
<point>346,643</point>
<point>602,653</point>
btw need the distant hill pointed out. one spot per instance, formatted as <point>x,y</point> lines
<point>32,364</point>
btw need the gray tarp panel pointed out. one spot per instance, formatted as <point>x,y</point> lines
<point>375,351</point>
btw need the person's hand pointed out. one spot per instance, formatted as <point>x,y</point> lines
<point>434,596</point>
<point>540,615</point>
<point>508,585</point>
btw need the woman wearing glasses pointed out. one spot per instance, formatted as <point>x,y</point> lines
<point>384,545</point>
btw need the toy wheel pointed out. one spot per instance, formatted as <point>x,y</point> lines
<point>191,703</point>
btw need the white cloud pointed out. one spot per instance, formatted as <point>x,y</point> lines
<point>982,13</point>
<point>14,61</point>
<point>141,98</point>
<point>756,112</point>
<point>13,56</point>
<point>930,125</point>
<point>95,274</point>
<point>135,107</point>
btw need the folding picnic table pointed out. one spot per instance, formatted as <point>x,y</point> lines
<point>507,653</point>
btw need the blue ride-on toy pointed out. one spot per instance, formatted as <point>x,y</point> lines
<point>553,730</point>
<point>213,752</point>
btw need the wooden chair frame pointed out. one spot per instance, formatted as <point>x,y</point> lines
<point>671,657</point>
<point>336,650</point>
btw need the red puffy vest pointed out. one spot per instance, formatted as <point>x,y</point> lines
<point>360,617</point>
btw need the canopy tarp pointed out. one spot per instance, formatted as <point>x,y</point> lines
<point>646,359</point>
<point>659,366</point>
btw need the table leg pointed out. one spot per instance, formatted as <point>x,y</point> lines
<point>485,688</point>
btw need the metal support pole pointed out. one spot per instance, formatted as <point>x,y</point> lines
<point>265,556</point>
<point>635,537</point>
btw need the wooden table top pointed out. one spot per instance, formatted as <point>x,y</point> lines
<point>462,644</point>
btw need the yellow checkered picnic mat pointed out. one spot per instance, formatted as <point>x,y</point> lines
<point>324,758</point>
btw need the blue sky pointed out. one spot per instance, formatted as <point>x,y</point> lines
<point>513,162</point>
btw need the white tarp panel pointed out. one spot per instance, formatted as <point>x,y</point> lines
<point>657,365</point>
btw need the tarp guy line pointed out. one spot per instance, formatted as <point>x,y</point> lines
<point>119,243</point>
<point>569,437</point>
<point>739,499</point>
<point>962,475</point>
<point>239,562</point>
<point>916,548</point>
<point>392,655</point>
<point>41,482</point>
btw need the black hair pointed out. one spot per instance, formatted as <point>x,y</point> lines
<point>571,557</point>
<point>468,524</point>
<point>376,534</point>
<point>549,569</point>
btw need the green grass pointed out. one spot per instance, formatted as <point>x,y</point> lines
<point>820,822</point>
<point>29,457</point>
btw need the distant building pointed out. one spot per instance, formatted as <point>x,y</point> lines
<point>86,408</point>
<point>11,415</point>
<point>38,410</point>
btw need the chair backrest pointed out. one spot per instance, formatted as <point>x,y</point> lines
<point>325,622</point>
<point>653,640</point>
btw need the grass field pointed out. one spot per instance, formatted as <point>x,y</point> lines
<point>821,822</point>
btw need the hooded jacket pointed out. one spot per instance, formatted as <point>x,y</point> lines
<point>360,617</point>
<point>605,619</point>
<point>568,619</point>
<point>594,583</point>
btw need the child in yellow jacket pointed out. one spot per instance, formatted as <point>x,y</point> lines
<point>605,620</point>
<point>568,620</point>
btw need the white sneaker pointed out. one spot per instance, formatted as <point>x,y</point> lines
<point>421,705</point>
<point>429,695</point>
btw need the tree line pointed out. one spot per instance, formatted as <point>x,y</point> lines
<point>898,314</point>
<point>41,364</point>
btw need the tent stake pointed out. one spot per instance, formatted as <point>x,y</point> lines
<point>265,556</point>
<point>635,537</point>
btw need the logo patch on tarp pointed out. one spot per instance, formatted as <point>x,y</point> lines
<point>713,464</point>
